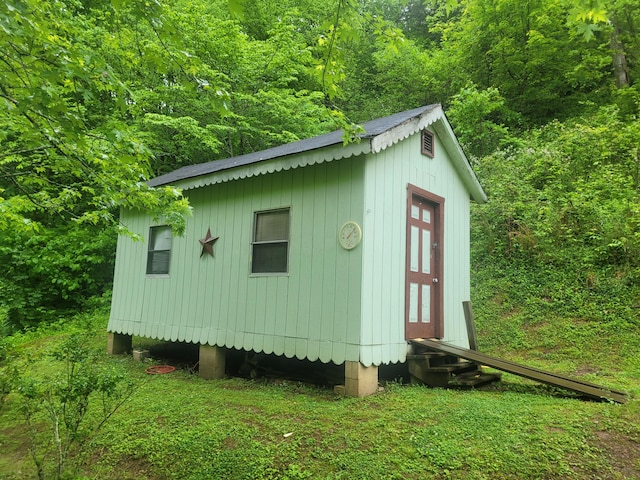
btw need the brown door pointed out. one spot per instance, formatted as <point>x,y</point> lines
<point>424,295</point>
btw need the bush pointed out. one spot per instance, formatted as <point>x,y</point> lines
<point>558,236</point>
<point>74,399</point>
<point>48,273</point>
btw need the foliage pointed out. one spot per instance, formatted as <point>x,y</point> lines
<point>61,396</point>
<point>69,158</point>
<point>479,119</point>
<point>557,244</point>
<point>67,149</point>
<point>525,51</point>
<point>250,93</point>
<point>569,185</point>
<point>46,279</point>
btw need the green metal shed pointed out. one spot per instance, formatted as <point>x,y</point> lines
<point>314,249</point>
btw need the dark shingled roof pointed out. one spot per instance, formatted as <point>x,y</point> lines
<point>372,129</point>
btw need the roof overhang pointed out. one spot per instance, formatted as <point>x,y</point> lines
<point>278,164</point>
<point>379,135</point>
<point>436,120</point>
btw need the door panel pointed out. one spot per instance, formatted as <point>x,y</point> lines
<point>426,304</point>
<point>413,302</point>
<point>424,268</point>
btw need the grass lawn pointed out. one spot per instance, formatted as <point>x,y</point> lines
<point>177,426</point>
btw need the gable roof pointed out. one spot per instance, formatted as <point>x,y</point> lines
<point>378,135</point>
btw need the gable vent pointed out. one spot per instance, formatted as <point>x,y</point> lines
<point>427,143</point>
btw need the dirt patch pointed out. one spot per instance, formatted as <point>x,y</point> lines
<point>623,452</point>
<point>14,444</point>
<point>585,370</point>
<point>134,468</point>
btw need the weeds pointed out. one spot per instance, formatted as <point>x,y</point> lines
<point>62,396</point>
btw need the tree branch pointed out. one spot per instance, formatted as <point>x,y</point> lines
<point>24,152</point>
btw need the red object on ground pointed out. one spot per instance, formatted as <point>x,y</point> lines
<point>158,369</point>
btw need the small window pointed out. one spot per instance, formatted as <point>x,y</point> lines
<point>427,143</point>
<point>159,250</point>
<point>271,242</point>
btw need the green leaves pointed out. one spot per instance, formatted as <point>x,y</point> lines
<point>68,148</point>
<point>559,232</point>
<point>236,8</point>
<point>479,119</point>
<point>56,404</point>
<point>52,270</point>
<point>71,156</point>
<point>587,17</point>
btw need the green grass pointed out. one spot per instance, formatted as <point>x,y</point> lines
<point>177,426</point>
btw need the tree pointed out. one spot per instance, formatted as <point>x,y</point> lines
<point>69,157</point>
<point>526,51</point>
<point>613,21</point>
<point>74,404</point>
<point>479,120</point>
<point>67,149</point>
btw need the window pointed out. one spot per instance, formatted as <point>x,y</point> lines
<point>271,242</point>
<point>159,250</point>
<point>427,143</point>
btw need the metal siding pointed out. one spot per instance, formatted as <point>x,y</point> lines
<point>276,343</point>
<point>223,291</point>
<point>295,262</point>
<point>265,323</point>
<point>306,313</point>
<point>383,271</point>
<point>319,258</point>
<point>174,296</point>
<point>330,248</point>
<point>245,213</point>
<point>237,269</point>
<point>329,278</point>
<point>307,220</point>
<point>201,277</point>
<point>384,245</point>
<point>211,267</point>
<point>120,289</point>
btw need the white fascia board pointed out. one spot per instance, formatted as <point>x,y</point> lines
<point>459,159</point>
<point>400,132</point>
<point>312,157</point>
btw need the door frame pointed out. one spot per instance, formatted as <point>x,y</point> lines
<point>437,202</point>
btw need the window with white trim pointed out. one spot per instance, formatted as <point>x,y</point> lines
<point>270,245</point>
<point>159,251</point>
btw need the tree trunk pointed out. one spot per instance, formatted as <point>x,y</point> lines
<point>619,59</point>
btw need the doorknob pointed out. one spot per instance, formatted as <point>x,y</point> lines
<point>435,280</point>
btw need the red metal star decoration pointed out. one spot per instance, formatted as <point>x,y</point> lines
<point>207,243</point>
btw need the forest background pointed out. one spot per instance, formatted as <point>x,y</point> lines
<point>99,96</point>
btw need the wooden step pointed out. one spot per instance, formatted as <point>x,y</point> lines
<point>456,368</point>
<point>474,379</point>
<point>447,371</point>
<point>426,354</point>
<point>428,361</point>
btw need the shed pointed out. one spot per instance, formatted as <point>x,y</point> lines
<point>316,249</point>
